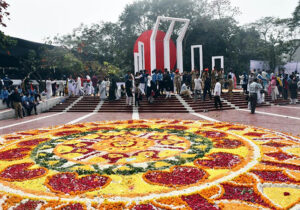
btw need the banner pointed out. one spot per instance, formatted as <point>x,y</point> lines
<point>289,68</point>
<point>259,65</point>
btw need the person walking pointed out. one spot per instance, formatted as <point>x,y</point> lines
<point>217,94</point>
<point>17,103</point>
<point>254,87</point>
<point>294,91</point>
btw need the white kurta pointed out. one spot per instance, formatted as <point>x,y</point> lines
<point>118,92</point>
<point>78,86</point>
<point>49,88</point>
<point>70,86</point>
<point>103,90</point>
<point>88,88</point>
<point>60,86</point>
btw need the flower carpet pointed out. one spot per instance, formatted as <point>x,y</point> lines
<point>149,164</point>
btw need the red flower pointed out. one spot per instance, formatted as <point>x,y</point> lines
<point>69,183</point>
<point>66,133</point>
<point>178,176</point>
<point>20,172</point>
<point>14,154</point>
<point>220,160</point>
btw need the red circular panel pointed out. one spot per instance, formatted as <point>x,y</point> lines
<point>145,38</point>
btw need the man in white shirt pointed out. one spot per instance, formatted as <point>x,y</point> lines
<point>253,89</point>
<point>197,87</point>
<point>217,94</point>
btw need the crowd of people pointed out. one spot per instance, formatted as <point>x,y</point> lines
<point>260,83</point>
<point>188,84</point>
<point>25,98</point>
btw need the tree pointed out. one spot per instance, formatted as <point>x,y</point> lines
<point>5,41</point>
<point>59,62</point>
<point>295,22</point>
<point>3,12</point>
<point>278,38</point>
<point>223,9</point>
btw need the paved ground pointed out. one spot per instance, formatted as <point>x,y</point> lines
<point>280,118</point>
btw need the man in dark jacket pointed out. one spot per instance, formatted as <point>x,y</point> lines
<point>207,88</point>
<point>17,103</point>
<point>294,91</point>
<point>128,88</point>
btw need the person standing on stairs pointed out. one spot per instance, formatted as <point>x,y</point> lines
<point>217,94</point>
<point>207,85</point>
<point>78,86</point>
<point>177,81</point>
<point>102,90</point>
<point>167,84</point>
<point>128,87</point>
<point>95,83</point>
<point>160,82</point>
<point>138,94</point>
<point>230,86</point>
<point>150,89</point>
<point>197,87</point>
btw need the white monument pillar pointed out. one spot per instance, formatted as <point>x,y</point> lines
<point>178,41</point>
<point>153,44</point>
<point>214,58</point>
<point>141,48</point>
<point>167,46</point>
<point>200,57</point>
<point>179,46</point>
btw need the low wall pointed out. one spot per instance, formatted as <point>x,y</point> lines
<point>42,107</point>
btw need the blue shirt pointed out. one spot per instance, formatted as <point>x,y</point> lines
<point>159,77</point>
<point>32,92</point>
<point>154,77</point>
<point>6,81</point>
<point>25,99</point>
<point>20,90</point>
<point>4,94</point>
<point>31,99</point>
<point>172,76</point>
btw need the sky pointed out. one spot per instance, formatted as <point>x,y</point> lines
<point>35,20</point>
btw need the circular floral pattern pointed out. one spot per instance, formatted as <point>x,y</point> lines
<point>149,164</point>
